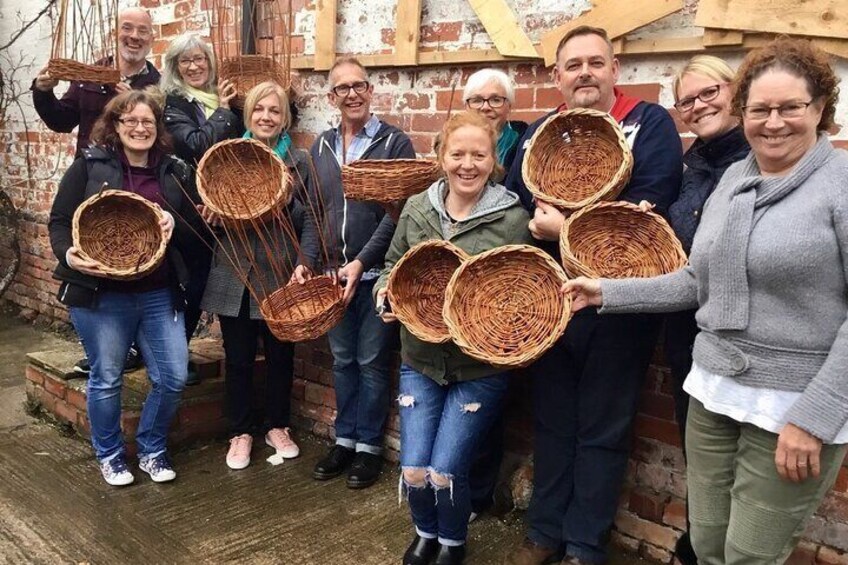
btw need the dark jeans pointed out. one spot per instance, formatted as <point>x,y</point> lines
<point>240,343</point>
<point>585,395</point>
<point>198,274</point>
<point>483,477</point>
<point>680,332</point>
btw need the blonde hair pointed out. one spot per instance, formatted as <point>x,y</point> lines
<point>703,65</point>
<point>172,81</point>
<point>259,92</point>
<point>472,119</point>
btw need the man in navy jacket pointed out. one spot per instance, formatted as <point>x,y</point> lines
<point>586,388</point>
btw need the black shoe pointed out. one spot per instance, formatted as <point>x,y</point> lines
<point>683,550</point>
<point>421,551</point>
<point>334,464</point>
<point>82,367</point>
<point>365,470</point>
<point>450,555</point>
<point>133,361</point>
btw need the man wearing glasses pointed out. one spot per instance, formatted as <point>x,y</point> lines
<point>358,238</point>
<point>83,101</point>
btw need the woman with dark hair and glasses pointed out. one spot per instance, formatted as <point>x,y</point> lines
<point>130,153</point>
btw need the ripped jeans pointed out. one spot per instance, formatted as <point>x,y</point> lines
<point>441,427</point>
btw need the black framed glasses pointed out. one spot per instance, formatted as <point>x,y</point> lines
<point>132,123</point>
<point>198,60</point>
<point>707,94</point>
<point>344,89</point>
<point>788,110</point>
<point>477,102</point>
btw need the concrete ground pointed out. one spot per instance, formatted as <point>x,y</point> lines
<point>55,508</point>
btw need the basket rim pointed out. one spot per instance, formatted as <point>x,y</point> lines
<point>299,330</point>
<point>362,165</point>
<point>610,190</point>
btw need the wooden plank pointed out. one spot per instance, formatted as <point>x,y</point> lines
<point>502,26</point>
<point>408,31</point>
<point>720,37</point>
<point>820,18</point>
<point>838,47</point>
<point>325,34</point>
<point>618,18</point>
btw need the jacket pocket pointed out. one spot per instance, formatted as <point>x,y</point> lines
<point>78,296</point>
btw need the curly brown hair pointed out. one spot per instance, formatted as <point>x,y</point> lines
<point>798,57</point>
<point>473,119</point>
<point>105,131</point>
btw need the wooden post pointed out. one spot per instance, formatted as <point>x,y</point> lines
<point>407,32</point>
<point>325,34</point>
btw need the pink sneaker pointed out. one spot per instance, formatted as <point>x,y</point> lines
<point>280,439</point>
<point>238,457</point>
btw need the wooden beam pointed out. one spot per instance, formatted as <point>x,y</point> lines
<point>820,18</point>
<point>720,37</point>
<point>618,18</point>
<point>407,32</point>
<point>325,34</point>
<point>838,47</point>
<point>502,26</point>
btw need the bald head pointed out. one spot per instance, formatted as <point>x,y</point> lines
<point>135,35</point>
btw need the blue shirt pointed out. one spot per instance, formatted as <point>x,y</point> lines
<point>360,143</point>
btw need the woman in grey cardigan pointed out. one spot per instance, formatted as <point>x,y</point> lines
<point>768,422</point>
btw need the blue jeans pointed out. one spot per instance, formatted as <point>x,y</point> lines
<point>441,427</point>
<point>107,331</point>
<point>361,352</point>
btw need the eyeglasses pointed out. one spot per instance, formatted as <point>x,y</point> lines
<point>132,123</point>
<point>788,110</point>
<point>476,102</point>
<point>198,60</point>
<point>707,94</point>
<point>143,31</point>
<point>344,89</point>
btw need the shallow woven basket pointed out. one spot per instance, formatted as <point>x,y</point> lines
<point>504,306</point>
<point>300,312</point>
<point>67,69</point>
<point>617,240</point>
<point>246,71</point>
<point>242,179</point>
<point>577,157</point>
<point>416,288</point>
<point>388,180</point>
<point>120,231</point>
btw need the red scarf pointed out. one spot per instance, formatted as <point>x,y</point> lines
<point>622,106</point>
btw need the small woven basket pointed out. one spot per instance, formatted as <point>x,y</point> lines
<point>242,179</point>
<point>416,288</point>
<point>617,240</point>
<point>576,158</point>
<point>67,69</point>
<point>120,231</point>
<point>504,306</point>
<point>246,71</point>
<point>388,180</point>
<point>300,312</point>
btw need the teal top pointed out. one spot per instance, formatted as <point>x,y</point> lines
<point>283,144</point>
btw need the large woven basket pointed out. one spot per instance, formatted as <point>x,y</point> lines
<point>504,306</point>
<point>67,69</point>
<point>577,157</point>
<point>246,71</point>
<point>388,180</point>
<point>300,312</point>
<point>120,231</point>
<point>416,288</point>
<point>618,240</point>
<point>242,179</point>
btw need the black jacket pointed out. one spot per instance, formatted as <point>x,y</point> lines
<point>85,178</point>
<point>193,134</point>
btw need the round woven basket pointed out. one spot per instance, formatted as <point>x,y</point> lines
<point>300,312</point>
<point>388,180</point>
<point>120,231</point>
<point>617,240</point>
<point>504,306</point>
<point>246,71</point>
<point>67,69</point>
<point>242,179</point>
<point>416,288</point>
<point>576,158</point>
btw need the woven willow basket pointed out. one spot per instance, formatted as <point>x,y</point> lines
<point>67,69</point>
<point>416,288</point>
<point>300,312</point>
<point>504,306</point>
<point>388,180</point>
<point>242,179</point>
<point>577,157</point>
<point>246,71</point>
<point>617,240</point>
<point>120,231</point>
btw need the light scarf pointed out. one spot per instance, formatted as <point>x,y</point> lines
<point>208,100</point>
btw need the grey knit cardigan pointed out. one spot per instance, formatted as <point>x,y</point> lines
<point>795,335</point>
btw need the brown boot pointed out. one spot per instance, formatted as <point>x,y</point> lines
<point>530,553</point>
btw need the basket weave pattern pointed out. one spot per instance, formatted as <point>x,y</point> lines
<point>300,312</point>
<point>416,288</point>
<point>504,306</point>
<point>246,71</point>
<point>576,158</point>
<point>120,231</point>
<point>388,180</point>
<point>242,179</point>
<point>617,240</point>
<point>67,69</point>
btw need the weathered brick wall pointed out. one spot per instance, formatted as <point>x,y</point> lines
<point>417,100</point>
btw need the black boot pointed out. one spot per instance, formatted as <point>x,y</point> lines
<point>334,464</point>
<point>450,555</point>
<point>421,551</point>
<point>684,552</point>
<point>365,470</point>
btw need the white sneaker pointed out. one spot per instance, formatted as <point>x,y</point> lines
<point>158,467</point>
<point>280,439</point>
<point>238,457</point>
<point>115,472</point>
